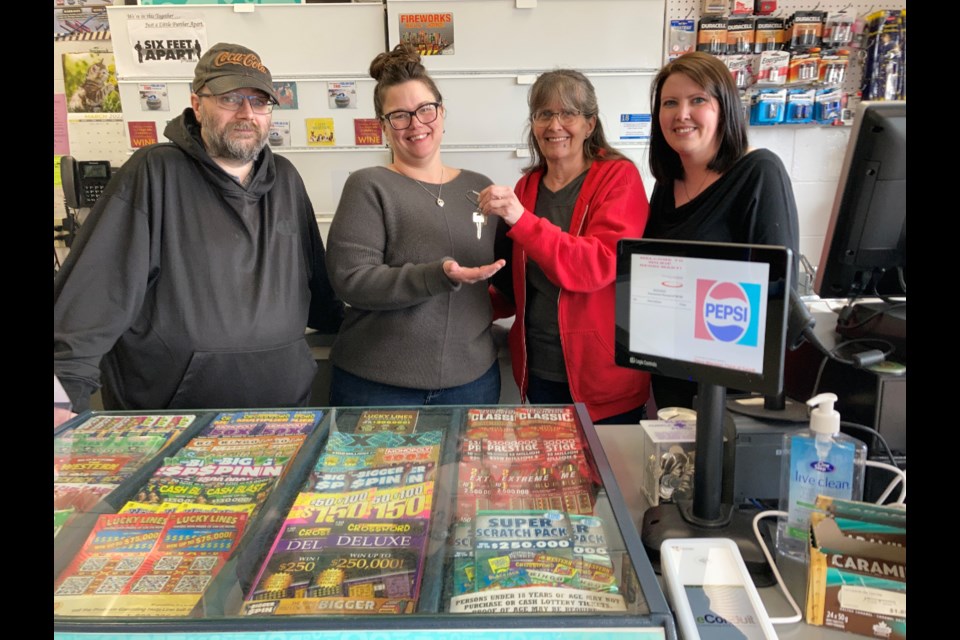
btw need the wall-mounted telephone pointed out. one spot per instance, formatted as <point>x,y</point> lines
<point>83,180</point>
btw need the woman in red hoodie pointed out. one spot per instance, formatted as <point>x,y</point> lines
<point>559,230</point>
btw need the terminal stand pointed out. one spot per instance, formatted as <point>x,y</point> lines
<point>707,516</point>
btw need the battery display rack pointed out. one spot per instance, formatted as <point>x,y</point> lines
<point>802,69</point>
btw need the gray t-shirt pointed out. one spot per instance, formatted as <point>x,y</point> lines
<point>544,351</point>
<point>407,324</point>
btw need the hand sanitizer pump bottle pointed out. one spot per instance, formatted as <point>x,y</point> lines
<point>816,461</point>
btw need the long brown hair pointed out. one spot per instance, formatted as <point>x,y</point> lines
<point>575,92</point>
<point>711,74</point>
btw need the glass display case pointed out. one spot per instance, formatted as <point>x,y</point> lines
<point>456,521</point>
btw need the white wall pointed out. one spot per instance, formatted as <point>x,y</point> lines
<point>813,157</point>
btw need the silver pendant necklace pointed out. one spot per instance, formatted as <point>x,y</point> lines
<point>438,197</point>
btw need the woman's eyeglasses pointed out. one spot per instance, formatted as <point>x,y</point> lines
<point>401,119</point>
<point>566,116</point>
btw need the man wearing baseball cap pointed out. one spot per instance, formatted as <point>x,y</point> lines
<point>192,280</point>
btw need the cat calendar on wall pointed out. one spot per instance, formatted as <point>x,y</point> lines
<point>90,82</point>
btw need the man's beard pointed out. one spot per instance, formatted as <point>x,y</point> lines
<point>220,144</point>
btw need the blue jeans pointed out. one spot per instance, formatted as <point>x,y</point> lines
<point>540,391</point>
<point>348,390</point>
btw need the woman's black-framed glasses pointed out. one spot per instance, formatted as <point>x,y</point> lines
<point>566,116</point>
<point>400,119</point>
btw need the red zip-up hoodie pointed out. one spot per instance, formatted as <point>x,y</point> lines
<point>582,261</point>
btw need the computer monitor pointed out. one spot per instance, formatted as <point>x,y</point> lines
<point>716,314</point>
<point>703,311</point>
<point>865,248</point>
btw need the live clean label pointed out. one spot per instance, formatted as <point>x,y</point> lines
<point>812,475</point>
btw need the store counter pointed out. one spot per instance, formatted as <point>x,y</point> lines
<point>475,522</point>
<point>611,494</point>
<point>623,445</point>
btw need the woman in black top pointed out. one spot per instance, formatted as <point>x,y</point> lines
<point>710,184</point>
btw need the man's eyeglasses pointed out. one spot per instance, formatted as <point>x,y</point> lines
<point>233,101</point>
<point>566,117</point>
<point>401,119</point>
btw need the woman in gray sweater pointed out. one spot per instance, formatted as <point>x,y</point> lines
<point>417,329</point>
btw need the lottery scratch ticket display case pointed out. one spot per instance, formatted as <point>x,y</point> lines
<point>454,521</point>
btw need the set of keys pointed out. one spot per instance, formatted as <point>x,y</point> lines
<point>478,218</point>
<point>481,221</point>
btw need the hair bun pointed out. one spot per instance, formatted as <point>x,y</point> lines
<point>404,56</point>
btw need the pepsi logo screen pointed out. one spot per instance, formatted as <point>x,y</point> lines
<point>710,312</point>
<point>727,312</point>
<point>699,310</point>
